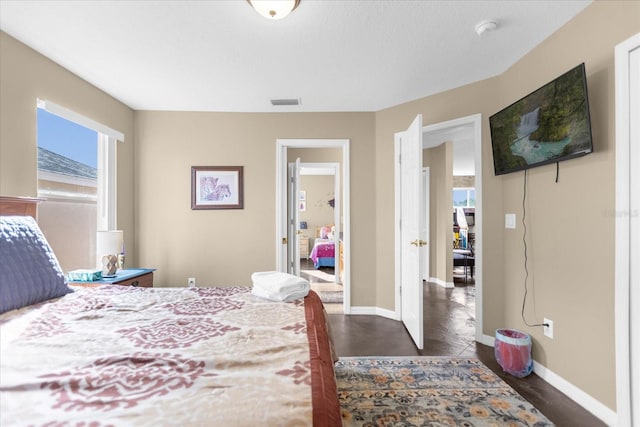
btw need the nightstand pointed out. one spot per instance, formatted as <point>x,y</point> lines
<point>140,277</point>
<point>304,247</point>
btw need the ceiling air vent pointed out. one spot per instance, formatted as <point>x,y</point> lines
<point>279,102</point>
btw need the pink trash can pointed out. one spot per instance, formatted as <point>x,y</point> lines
<point>513,352</point>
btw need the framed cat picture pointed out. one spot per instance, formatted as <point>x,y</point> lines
<point>217,187</point>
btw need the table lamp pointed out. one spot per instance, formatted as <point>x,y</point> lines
<point>108,246</point>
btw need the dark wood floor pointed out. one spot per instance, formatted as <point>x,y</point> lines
<point>449,330</point>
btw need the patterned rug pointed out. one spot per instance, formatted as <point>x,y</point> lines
<point>330,297</point>
<point>428,391</point>
<point>329,293</point>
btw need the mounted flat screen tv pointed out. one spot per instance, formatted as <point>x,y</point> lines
<point>549,125</point>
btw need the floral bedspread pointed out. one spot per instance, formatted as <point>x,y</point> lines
<point>122,356</point>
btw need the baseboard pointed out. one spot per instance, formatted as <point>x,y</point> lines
<point>441,282</point>
<point>487,340</point>
<point>583,399</point>
<point>599,410</point>
<point>374,311</point>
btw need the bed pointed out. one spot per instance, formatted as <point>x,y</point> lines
<point>117,355</point>
<point>323,253</point>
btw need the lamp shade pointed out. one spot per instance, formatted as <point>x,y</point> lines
<point>108,243</point>
<point>274,9</point>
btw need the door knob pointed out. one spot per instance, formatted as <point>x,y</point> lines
<point>419,243</point>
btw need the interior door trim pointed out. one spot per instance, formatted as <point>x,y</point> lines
<point>626,298</point>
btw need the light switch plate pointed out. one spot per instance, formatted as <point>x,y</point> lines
<point>510,220</point>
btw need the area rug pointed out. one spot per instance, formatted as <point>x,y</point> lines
<point>428,391</point>
<point>330,297</point>
<point>329,293</point>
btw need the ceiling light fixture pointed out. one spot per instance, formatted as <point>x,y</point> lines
<point>486,27</point>
<point>274,9</point>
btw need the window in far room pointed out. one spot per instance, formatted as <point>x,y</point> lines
<point>76,177</point>
<point>464,197</point>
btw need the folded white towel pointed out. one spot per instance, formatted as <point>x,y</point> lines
<point>278,286</point>
<point>279,296</point>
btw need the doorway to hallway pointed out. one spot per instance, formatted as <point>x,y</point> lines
<point>449,319</point>
<point>465,128</point>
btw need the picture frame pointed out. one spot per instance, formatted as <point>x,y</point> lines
<point>303,195</point>
<point>217,187</point>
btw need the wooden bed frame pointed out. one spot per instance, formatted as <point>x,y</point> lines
<point>24,206</point>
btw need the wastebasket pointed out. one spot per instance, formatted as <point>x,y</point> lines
<point>513,352</point>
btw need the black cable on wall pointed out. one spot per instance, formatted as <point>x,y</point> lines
<point>526,259</point>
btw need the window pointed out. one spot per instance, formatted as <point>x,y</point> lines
<point>76,176</point>
<point>464,197</point>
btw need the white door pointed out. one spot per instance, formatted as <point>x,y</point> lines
<point>411,219</point>
<point>337,209</point>
<point>294,219</point>
<point>426,253</point>
<point>634,230</point>
<point>627,295</point>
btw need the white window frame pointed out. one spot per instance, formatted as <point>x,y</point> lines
<point>107,162</point>
<point>468,189</point>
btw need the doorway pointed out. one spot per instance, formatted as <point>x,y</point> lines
<point>465,134</point>
<point>318,205</point>
<point>289,231</point>
<point>440,132</point>
<point>451,152</point>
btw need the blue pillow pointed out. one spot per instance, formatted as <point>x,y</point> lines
<point>29,270</point>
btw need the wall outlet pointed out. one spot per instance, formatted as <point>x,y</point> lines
<point>510,220</point>
<point>548,330</point>
<point>191,281</point>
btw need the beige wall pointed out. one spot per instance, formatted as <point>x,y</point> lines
<point>464,181</point>
<point>570,230</point>
<point>26,76</point>
<point>315,155</point>
<point>478,98</point>
<point>439,160</point>
<point>571,236</point>
<point>223,247</point>
<point>323,214</point>
<point>571,253</point>
<point>319,190</point>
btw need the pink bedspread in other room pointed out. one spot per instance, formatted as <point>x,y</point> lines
<point>323,249</point>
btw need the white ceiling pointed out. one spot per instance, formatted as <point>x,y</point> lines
<point>333,55</point>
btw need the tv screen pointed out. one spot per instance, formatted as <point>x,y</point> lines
<point>549,125</point>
